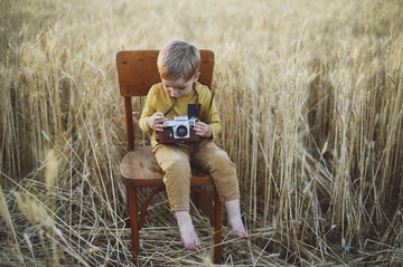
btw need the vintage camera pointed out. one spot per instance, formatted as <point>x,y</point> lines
<point>180,129</point>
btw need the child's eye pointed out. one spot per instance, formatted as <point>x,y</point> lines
<point>180,88</point>
<point>176,87</point>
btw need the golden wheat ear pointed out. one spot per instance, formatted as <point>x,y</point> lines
<point>5,214</point>
<point>51,170</point>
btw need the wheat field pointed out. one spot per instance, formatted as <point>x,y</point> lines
<point>311,100</point>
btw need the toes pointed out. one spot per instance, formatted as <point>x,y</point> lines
<point>192,244</point>
<point>196,244</point>
<point>240,234</point>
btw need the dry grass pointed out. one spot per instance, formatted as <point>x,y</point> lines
<point>311,96</point>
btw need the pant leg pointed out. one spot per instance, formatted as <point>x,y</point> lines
<point>214,159</point>
<point>174,161</point>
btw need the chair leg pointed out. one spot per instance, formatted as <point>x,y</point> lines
<point>217,227</point>
<point>208,202</point>
<point>132,209</point>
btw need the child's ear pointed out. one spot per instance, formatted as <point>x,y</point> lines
<point>197,76</point>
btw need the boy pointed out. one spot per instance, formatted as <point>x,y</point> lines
<point>178,65</point>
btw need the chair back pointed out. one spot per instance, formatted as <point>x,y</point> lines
<point>137,72</point>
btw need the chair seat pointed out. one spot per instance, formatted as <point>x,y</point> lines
<point>139,168</point>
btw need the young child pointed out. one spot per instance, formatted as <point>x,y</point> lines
<point>178,65</point>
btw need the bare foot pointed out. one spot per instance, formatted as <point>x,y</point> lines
<point>237,228</point>
<point>234,218</point>
<point>188,234</point>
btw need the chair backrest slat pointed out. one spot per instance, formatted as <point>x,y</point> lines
<point>137,72</point>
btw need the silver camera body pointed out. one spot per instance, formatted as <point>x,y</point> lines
<point>181,126</point>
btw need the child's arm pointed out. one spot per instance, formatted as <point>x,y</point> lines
<point>210,125</point>
<point>148,111</point>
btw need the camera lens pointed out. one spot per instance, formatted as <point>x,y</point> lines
<point>181,131</point>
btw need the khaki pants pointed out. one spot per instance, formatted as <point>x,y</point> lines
<point>174,160</point>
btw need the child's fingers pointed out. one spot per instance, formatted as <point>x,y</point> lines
<point>202,130</point>
<point>200,123</point>
<point>159,127</point>
<point>201,127</point>
<point>159,115</point>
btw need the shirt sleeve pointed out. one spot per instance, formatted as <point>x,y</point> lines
<point>213,118</point>
<point>148,110</point>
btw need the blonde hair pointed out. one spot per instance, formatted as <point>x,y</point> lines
<point>178,60</point>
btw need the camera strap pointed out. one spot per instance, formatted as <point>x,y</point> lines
<point>211,100</point>
<point>170,108</point>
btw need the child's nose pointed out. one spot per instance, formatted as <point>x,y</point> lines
<point>173,91</point>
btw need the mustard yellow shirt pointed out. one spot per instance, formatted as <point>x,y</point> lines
<point>158,100</point>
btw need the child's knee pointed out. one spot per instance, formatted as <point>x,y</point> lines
<point>220,158</point>
<point>178,166</point>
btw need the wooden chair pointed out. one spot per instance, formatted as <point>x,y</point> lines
<point>137,71</point>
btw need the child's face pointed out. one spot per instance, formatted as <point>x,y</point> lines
<point>178,88</point>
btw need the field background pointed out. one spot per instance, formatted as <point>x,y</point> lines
<point>311,96</point>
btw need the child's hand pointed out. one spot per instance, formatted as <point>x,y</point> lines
<point>155,122</point>
<point>203,130</point>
